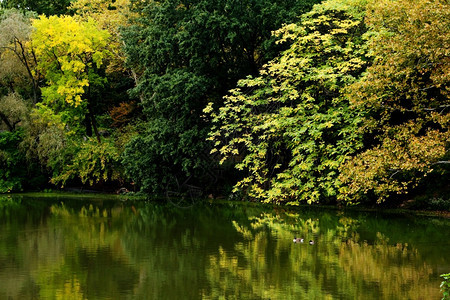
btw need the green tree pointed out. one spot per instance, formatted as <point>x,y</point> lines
<point>291,128</point>
<point>19,90</point>
<point>405,95</point>
<point>47,7</point>
<point>11,174</point>
<point>190,53</point>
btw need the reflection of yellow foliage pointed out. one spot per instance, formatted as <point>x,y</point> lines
<point>348,225</point>
<point>268,265</point>
<point>70,291</point>
<point>247,234</point>
<point>279,224</point>
<point>92,230</point>
<point>373,264</point>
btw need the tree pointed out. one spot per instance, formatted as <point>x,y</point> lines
<point>291,128</point>
<point>89,161</point>
<point>11,159</point>
<point>17,57</point>
<point>70,54</point>
<point>47,7</point>
<point>405,95</point>
<point>13,110</point>
<point>191,53</point>
<point>112,16</point>
<point>109,16</point>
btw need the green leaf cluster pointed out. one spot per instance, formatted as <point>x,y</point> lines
<point>445,286</point>
<point>191,53</point>
<point>47,7</point>
<point>11,175</point>
<point>16,171</point>
<point>91,162</point>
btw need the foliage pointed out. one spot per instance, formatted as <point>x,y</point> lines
<point>91,162</point>
<point>355,106</point>
<point>46,139</point>
<point>18,73</point>
<point>405,95</point>
<point>445,286</point>
<point>12,173</point>
<point>68,158</point>
<point>47,7</point>
<point>109,16</point>
<point>13,110</point>
<point>151,164</point>
<point>122,114</point>
<point>70,54</point>
<point>291,128</point>
<point>190,53</point>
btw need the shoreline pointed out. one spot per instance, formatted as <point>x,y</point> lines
<point>101,195</point>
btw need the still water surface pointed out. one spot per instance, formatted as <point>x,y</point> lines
<point>64,248</point>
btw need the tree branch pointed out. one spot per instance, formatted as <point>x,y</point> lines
<point>441,162</point>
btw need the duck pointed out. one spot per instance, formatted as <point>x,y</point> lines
<point>298,240</point>
<point>311,242</point>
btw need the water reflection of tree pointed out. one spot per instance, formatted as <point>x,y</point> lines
<point>338,265</point>
<point>67,254</point>
<point>142,250</point>
<point>167,245</point>
<point>386,271</point>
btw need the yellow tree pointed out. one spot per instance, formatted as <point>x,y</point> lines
<point>110,16</point>
<point>70,54</point>
<point>406,94</point>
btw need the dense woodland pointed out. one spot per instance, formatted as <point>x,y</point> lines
<point>280,101</point>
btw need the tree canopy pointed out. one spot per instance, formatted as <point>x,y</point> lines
<point>291,127</point>
<point>70,54</point>
<point>283,101</point>
<point>405,97</point>
<point>47,7</point>
<point>190,53</point>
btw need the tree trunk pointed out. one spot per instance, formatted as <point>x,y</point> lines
<point>87,124</point>
<point>91,115</point>
<point>94,123</point>
<point>6,121</point>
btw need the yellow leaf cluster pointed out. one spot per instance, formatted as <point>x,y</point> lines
<point>406,90</point>
<point>109,16</point>
<point>67,50</point>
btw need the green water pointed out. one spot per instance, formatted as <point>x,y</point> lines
<point>63,248</point>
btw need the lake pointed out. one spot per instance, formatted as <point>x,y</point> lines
<point>60,247</point>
